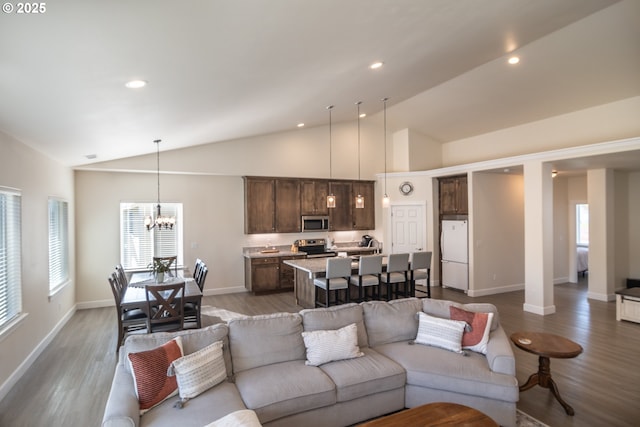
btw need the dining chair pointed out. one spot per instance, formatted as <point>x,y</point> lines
<point>122,276</point>
<point>397,273</point>
<point>165,305</point>
<point>128,320</point>
<point>192,309</point>
<point>369,276</point>
<point>338,273</point>
<point>196,269</point>
<point>420,269</point>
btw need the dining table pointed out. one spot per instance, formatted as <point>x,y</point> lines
<point>135,295</point>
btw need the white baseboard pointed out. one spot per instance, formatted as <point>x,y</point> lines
<point>95,304</point>
<point>222,291</point>
<point>601,297</point>
<point>37,351</point>
<point>535,309</point>
<point>496,290</point>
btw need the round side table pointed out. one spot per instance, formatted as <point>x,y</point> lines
<point>546,346</point>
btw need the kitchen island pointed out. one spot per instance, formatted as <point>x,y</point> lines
<point>305,270</point>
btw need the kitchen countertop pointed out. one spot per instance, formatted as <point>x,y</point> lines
<point>314,266</point>
<point>286,251</point>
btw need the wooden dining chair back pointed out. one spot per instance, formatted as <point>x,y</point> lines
<point>338,273</point>
<point>122,276</point>
<point>165,305</point>
<point>420,270</point>
<point>197,267</point>
<point>397,274</point>
<point>128,320</point>
<point>191,309</point>
<point>368,277</point>
<point>201,276</point>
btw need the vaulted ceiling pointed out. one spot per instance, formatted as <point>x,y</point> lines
<point>219,70</point>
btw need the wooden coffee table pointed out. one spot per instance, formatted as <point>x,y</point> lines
<point>546,346</point>
<point>435,414</point>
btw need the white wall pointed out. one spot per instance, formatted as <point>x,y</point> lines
<point>38,177</point>
<point>631,227</point>
<point>561,242</point>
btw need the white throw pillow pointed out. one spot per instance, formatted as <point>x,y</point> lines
<point>437,332</point>
<point>241,418</point>
<point>328,346</point>
<point>199,371</point>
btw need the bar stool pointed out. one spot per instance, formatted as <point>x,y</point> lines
<point>369,276</point>
<point>420,270</point>
<point>336,278</point>
<point>397,272</point>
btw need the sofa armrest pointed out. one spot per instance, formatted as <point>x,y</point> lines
<point>500,354</point>
<point>122,409</point>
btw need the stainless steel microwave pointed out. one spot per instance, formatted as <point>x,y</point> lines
<point>315,223</point>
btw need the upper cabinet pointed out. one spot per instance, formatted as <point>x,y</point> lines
<point>453,195</point>
<point>276,205</point>
<point>313,197</point>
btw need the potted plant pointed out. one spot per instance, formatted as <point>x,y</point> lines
<point>160,267</point>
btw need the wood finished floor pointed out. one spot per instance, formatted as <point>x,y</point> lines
<point>69,383</point>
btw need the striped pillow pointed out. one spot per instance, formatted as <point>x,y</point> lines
<point>198,372</point>
<point>437,332</point>
<point>150,378</point>
<point>328,346</point>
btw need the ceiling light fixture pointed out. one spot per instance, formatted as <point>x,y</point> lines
<point>359,197</point>
<point>514,60</point>
<point>166,222</point>
<point>385,198</point>
<point>331,199</point>
<point>300,125</point>
<point>136,84</point>
<point>554,174</point>
<point>376,65</point>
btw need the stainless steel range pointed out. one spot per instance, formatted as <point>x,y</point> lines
<point>314,248</point>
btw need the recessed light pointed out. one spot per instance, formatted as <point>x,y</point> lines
<point>363,115</point>
<point>300,125</point>
<point>136,84</point>
<point>514,60</point>
<point>91,156</point>
<point>376,65</point>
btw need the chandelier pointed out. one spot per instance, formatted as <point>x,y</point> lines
<point>162,222</point>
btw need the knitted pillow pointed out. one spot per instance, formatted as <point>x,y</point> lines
<point>199,371</point>
<point>150,378</point>
<point>443,333</point>
<point>476,335</point>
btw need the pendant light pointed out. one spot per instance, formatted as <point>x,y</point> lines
<point>385,198</point>
<point>162,222</point>
<point>331,199</point>
<point>359,197</point>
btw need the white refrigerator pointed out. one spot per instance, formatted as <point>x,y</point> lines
<point>455,255</point>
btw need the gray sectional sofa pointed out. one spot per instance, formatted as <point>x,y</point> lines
<point>265,361</point>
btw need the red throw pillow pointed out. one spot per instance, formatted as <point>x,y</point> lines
<point>476,336</point>
<point>150,378</point>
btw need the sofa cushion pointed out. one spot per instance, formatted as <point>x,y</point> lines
<point>209,406</point>
<point>241,418</point>
<point>150,380</point>
<point>199,371</point>
<point>327,346</point>
<point>438,332</point>
<point>283,389</point>
<point>476,334</point>
<point>440,369</point>
<point>391,321</point>
<point>370,374</point>
<point>336,317</point>
<point>192,341</point>
<point>262,340</point>
<point>440,308</point>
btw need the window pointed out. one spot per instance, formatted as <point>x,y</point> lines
<point>582,225</point>
<point>10,248</point>
<point>137,245</point>
<point>58,243</point>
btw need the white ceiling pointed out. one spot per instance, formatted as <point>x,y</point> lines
<point>220,70</point>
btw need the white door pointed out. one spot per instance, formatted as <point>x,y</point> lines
<point>407,228</point>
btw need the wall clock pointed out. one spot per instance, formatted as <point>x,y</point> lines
<point>406,188</point>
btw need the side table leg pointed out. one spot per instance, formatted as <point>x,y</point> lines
<point>531,382</point>
<point>554,389</point>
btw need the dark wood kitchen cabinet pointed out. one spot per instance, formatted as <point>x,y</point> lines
<point>313,197</point>
<point>341,217</point>
<point>272,205</point>
<point>259,205</point>
<point>262,274</point>
<point>287,273</point>
<point>453,195</point>
<point>364,218</point>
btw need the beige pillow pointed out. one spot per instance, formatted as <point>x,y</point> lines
<point>198,372</point>
<point>328,346</point>
<point>443,333</point>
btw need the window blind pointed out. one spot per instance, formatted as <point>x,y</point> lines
<point>10,259</point>
<point>137,245</point>
<point>58,243</point>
